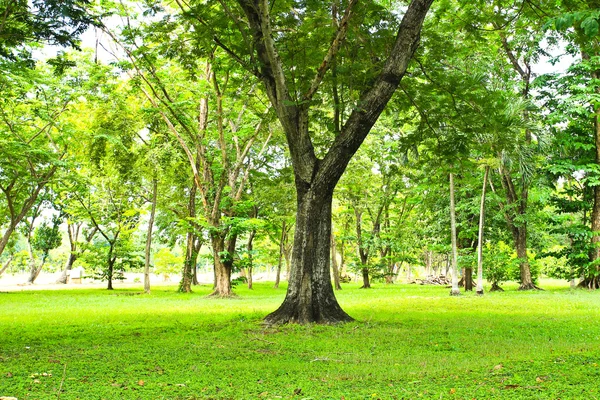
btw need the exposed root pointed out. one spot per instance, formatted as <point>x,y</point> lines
<point>217,295</point>
<point>592,283</point>
<point>479,293</point>
<point>496,288</point>
<point>529,286</point>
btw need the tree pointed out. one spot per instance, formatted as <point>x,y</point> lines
<point>292,92</point>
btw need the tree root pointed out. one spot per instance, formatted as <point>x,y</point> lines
<point>529,286</point>
<point>496,288</point>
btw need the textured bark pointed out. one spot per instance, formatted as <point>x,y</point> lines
<point>310,296</point>
<point>250,257</point>
<point>480,235</point>
<point>468,279</point>
<point>185,285</point>
<point>149,237</point>
<point>455,290</point>
<point>281,251</point>
<point>223,251</point>
<point>111,266</point>
<point>334,265</point>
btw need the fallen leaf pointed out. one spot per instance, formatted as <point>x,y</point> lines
<point>141,383</point>
<point>36,381</point>
<point>183,385</point>
<point>9,375</point>
<point>452,391</point>
<point>497,367</point>
<point>297,391</point>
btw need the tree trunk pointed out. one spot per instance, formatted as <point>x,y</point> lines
<point>310,296</point>
<point>334,264</point>
<point>223,252</point>
<point>280,258</point>
<point>521,246</point>
<point>185,285</point>
<point>34,270</point>
<point>455,290</point>
<point>365,276</point>
<point>68,267</point>
<point>496,288</point>
<point>6,237</point>
<point>149,237</point>
<point>468,279</point>
<point>480,235</point>
<point>6,265</point>
<point>250,258</point>
<point>111,266</point>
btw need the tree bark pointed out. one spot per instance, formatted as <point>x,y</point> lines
<point>149,237</point>
<point>280,258</point>
<point>334,264</point>
<point>455,290</point>
<point>310,296</point>
<point>250,257</point>
<point>480,235</point>
<point>111,267</point>
<point>223,251</point>
<point>185,285</point>
<point>594,282</point>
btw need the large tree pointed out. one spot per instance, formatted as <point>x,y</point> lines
<point>263,38</point>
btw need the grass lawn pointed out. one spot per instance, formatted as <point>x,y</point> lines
<point>408,342</point>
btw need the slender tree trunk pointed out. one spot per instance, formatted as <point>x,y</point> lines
<point>455,290</point>
<point>149,237</point>
<point>185,285</point>
<point>111,267</point>
<point>250,257</point>
<point>280,258</point>
<point>6,265</point>
<point>480,236</point>
<point>334,264</point>
<point>310,296</point>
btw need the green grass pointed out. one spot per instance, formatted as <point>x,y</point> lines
<point>408,342</point>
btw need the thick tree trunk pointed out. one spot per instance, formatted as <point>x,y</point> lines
<point>149,237</point>
<point>310,296</point>
<point>223,252</point>
<point>6,265</point>
<point>468,279</point>
<point>521,246</point>
<point>365,277</point>
<point>334,264</point>
<point>455,290</point>
<point>480,235</point>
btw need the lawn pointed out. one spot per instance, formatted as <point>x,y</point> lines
<point>408,342</point>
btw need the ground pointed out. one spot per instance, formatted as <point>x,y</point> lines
<point>408,342</point>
